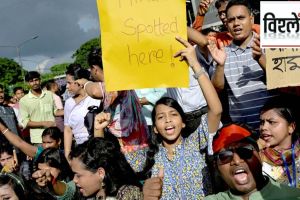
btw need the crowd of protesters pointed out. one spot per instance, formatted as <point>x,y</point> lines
<point>224,137</point>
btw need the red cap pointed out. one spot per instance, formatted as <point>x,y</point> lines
<point>228,135</point>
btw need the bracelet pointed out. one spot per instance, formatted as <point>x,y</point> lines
<point>199,73</point>
<point>3,132</point>
<point>84,86</point>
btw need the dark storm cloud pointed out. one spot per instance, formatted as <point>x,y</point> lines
<point>62,26</point>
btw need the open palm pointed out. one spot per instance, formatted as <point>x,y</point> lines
<point>218,54</point>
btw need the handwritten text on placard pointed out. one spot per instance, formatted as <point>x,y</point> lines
<point>138,43</point>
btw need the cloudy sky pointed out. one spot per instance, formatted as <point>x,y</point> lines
<point>61,26</point>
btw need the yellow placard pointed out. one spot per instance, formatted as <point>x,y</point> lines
<point>138,43</point>
<point>283,67</point>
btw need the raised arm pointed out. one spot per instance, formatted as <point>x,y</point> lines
<point>15,140</point>
<point>219,55</point>
<point>197,37</point>
<point>257,53</point>
<point>209,92</point>
<point>93,89</point>
<point>101,121</point>
<point>202,10</point>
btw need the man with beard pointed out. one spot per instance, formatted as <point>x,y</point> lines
<point>236,156</point>
<point>7,113</point>
<point>37,108</point>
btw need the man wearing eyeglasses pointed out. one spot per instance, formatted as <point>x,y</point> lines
<point>236,156</point>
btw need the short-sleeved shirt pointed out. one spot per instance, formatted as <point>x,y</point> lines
<point>187,173</point>
<point>74,114</point>
<point>37,108</point>
<point>245,84</point>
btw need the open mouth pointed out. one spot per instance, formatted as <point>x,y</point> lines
<point>170,129</point>
<point>240,176</point>
<point>237,31</point>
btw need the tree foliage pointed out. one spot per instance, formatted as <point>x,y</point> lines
<point>10,72</point>
<point>81,54</point>
<point>59,69</point>
<point>56,70</point>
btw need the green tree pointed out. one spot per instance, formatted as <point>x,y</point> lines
<point>56,70</point>
<point>81,54</point>
<point>10,72</point>
<point>59,69</point>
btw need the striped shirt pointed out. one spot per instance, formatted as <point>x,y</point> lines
<point>245,84</point>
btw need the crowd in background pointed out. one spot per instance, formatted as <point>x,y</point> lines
<point>224,137</point>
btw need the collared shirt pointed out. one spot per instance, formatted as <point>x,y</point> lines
<point>245,84</point>
<point>186,174</point>
<point>191,98</point>
<point>272,191</point>
<point>152,95</point>
<point>38,109</point>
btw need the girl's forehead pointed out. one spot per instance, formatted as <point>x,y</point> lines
<point>164,108</point>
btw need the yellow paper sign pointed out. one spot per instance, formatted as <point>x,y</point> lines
<point>283,67</point>
<point>138,43</point>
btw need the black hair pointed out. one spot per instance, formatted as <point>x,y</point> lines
<point>239,3</point>
<point>32,75</point>
<point>1,87</point>
<point>219,2</point>
<point>284,106</point>
<point>95,57</point>
<point>16,183</point>
<point>53,133</point>
<point>55,158</point>
<point>49,84</point>
<point>17,88</point>
<point>155,139</point>
<point>6,148</point>
<point>102,153</point>
<point>77,71</point>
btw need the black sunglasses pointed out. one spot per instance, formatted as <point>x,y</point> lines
<point>226,156</point>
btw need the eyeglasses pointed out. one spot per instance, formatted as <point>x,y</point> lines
<point>226,156</point>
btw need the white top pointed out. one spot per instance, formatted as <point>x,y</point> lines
<point>74,116</point>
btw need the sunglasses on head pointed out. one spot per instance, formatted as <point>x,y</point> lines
<point>226,156</point>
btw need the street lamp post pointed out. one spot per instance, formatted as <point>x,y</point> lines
<point>18,48</point>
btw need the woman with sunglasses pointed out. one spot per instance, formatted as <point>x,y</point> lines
<point>186,174</point>
<point>278,129</point>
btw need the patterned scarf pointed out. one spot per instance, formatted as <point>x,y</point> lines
<point>128,123</point>
<point>273,157</point>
